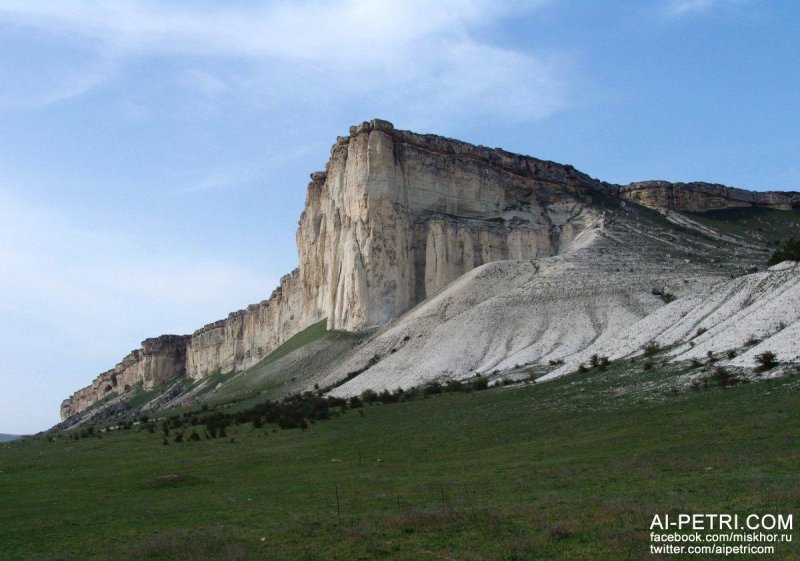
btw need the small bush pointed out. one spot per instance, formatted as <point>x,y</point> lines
<point>453,386</point>
<point>582,369</point>
<point>724,378</point>
<point>731,354</point>
<point>766,360</point>
<point>479,383</point>
<point>700,331</point>
<point>752,341</point>
<point>434,388</point>
<point>651,348</point>
<point>789,252</point>
<point>648,365</point>
<point>695,362</point>
<point>665,296</point>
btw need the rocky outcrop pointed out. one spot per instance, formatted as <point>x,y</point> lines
<point>734,320</point>
<point>394,218</point>
<point>159,360</point>
<point>702,197</point>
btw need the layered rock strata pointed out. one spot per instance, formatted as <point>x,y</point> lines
<point>702,197</point>
<point>159,360</point>
<point>394,218</point>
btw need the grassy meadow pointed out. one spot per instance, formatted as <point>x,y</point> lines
<point>572,469</point>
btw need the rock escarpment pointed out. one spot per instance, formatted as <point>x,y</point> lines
<point>159,360</point>
<point>394,217</point>
<point>702,197</point>
<point>392,220</point>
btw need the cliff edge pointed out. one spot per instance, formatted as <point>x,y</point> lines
<point>392,220</point>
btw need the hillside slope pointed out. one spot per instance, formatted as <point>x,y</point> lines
<point>745,316</point>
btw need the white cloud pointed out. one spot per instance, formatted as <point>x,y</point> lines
<point>416,53</point>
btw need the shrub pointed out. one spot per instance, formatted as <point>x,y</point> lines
<point>434,388</point>
<point>604,362</point>
<point>665,296</point>
<point>752,341</point>
<point>594,361</point>
<point>731,354</point>
<point>724,378</point>
<point>695,362</point>
<point>582,369</point>
<point>648,365</point>
<point>651,348</point>
<point>766,360</point>
<point>480,383</point>
<point>789,252</point>
<point>700,331</point>
<point>453,386</point>
<point>194,436</point>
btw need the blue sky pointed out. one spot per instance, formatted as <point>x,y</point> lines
<point>154,155</point>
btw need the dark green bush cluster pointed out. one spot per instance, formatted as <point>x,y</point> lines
<point>298,411</point>
<point>87,432</point>
<point>724,378</point>
<point>433,388</point>
<point>662,293</point>
<point>650,348</point>
<point>789,252</point>
<point>600,362</point>
<point>766,360</point>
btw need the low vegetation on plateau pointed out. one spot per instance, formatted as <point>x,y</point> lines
<point>570,469</point>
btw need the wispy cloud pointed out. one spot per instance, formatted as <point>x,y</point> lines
<point>677,8</point>
<point>420,54</point>
<point>687,8</point>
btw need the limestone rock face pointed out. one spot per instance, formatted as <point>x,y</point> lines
<point>392,220</point>
<point>396,216</point>
<point>702,197</point>
<point>159,360</point>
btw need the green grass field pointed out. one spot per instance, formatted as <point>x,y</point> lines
<point>571,469</point>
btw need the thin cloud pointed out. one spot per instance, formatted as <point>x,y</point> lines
<point>418,54</point>
<point>677,8</point>
<point>688,8</point>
